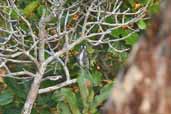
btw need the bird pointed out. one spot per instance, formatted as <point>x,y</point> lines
<point>83,58</point>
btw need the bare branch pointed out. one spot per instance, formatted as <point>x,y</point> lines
<point>58,86</point>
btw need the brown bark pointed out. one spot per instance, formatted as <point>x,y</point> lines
<point>144,86</point>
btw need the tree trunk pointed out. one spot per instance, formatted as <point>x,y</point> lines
<point>144,86</point>
<point>32,95</point>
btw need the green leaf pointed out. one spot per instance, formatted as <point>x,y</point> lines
<point>30,8</point>
<point>34,111</point>
<point>66,95</point>
<point>96,78</point>
<point>12,110</point>
<point>110,19</point>
<point>104,94</point>
<point>40,10</point>
<point>131,40</point>
<point>131,2</point>
<point>155,8</point>
<point>57,96</point>
<point>6,97</point>
<point>84,91</point>
<point>144,2</point>
<point>123,56</point>
<point>45,111</point>
<point>18,89</point>
<point>141,24</point>
<point>91,96</point>
<point>14,15</point>
<point>63,108</point>
<point>71,99</point>
<point>117,32</point>
<point>43,100</point>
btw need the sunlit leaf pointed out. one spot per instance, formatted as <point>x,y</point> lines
<point>117,32</point>
<point>30,8</point>
<point>141,24</point>
<point>132,39</point>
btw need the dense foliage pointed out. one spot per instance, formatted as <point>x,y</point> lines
<point>106,57</point>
